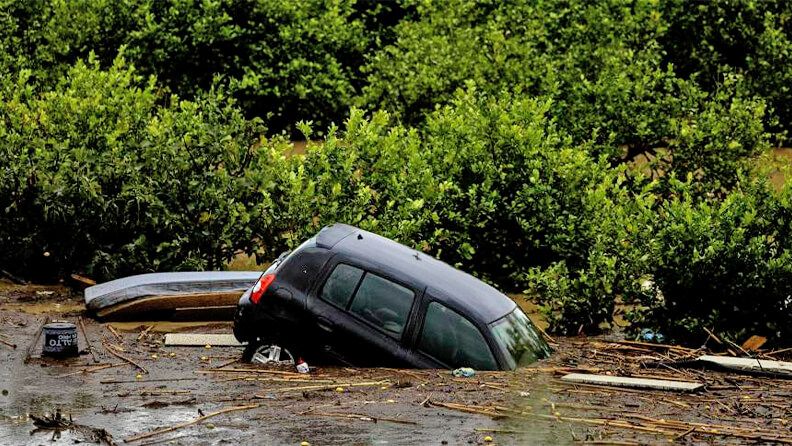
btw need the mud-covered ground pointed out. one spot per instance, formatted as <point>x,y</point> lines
<point>334,405</point>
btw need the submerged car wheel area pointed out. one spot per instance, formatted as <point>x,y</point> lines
<point>350,296</point>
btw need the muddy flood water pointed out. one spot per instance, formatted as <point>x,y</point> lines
<point>336,405</point>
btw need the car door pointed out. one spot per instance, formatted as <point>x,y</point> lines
<point>362,315</point>
<point>449,339</point>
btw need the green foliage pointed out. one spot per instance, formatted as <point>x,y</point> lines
<point>593,60</point>
<point>615,76</point>
<point>722,265</point>
<point>372,176</point>
<point>707,39</point>
<point>715,142</point>
<point>98,177</point>
<point>284,60</point>
<point>580,293</point>
<point>511,186</point>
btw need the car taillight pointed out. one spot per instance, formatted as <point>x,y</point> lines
<point>260,287</point>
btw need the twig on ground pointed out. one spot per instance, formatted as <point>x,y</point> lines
<point>145,380</point>
<point>4,342</point>
<point>189,423</point>
<point>713,336</point>
<point>87,341</point>
<point>225,364</point>
<point>115,333</point>
<point>328,386</point>
<point>264,371</point>
<point>361,417</point>
<point>120,356</point>
<point>36,337</point>
<point>144,332</point>
<point>93,369</point>
<point>16,279</point>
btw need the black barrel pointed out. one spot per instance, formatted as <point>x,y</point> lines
<point>60,339</point>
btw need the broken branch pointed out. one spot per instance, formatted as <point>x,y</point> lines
<point>120,356</point>
<point>189,423</point>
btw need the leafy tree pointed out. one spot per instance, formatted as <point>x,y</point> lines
<point>725,265</point>
<point>285,61</point>
<point>708,40</point>
<point>98,177</point>
<point>607,66</point>
<point>371,174</point>
<point>522,203</point>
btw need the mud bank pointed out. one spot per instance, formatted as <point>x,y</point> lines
<point>337,405</point>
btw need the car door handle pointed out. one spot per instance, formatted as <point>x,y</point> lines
<point>325,324</point>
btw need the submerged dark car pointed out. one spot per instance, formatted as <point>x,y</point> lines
<point>352,296</point>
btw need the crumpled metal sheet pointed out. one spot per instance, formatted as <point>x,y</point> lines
<point>165,284</point>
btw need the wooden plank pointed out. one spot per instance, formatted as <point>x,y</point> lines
<point>210,313</point>
<point>199,339</point>
<point>749,364</point>
<point>169,303</point>
<point>637,383</point>
<point>84,282</point>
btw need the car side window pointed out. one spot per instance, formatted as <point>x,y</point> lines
<point>452,339</point>
<point>383,303</point>
<point>341,284</point>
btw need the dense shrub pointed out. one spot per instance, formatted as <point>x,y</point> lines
<point>705,40</point>
<point>714,142</point>
<point>371,175</point>
<point>722,265</point>
<point>283,60</point>
<point>512,185</point>
<point>610,67</point>
<point>96,176</point>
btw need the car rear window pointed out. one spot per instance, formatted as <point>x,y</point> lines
<point>383,303</point>
<point>341,284</point>
<point>452,339</point>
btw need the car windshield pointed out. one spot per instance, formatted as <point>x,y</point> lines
<point>519,339</point>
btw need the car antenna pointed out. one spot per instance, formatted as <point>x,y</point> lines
<point>416,256</point>
<point>360,236</point>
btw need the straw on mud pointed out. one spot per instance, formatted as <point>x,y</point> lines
<point>665,427</point>
<point>115,333</point>
<point>120,356</point>
<point>278,380</point>
<point>264,371</point>
<point>32,345</point>
<point>156,392</point>
<point>189,423</point>
<point>87,341</point>
<point>143,381</point>
<point>327,386</point>
<point>360,417</point>
<point>225,364</point>
<point>93,369</point>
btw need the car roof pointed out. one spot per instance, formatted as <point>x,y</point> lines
<point>444,282</point>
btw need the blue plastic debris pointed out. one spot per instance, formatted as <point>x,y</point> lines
<point>651,336</point>
<point>464,372</point>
